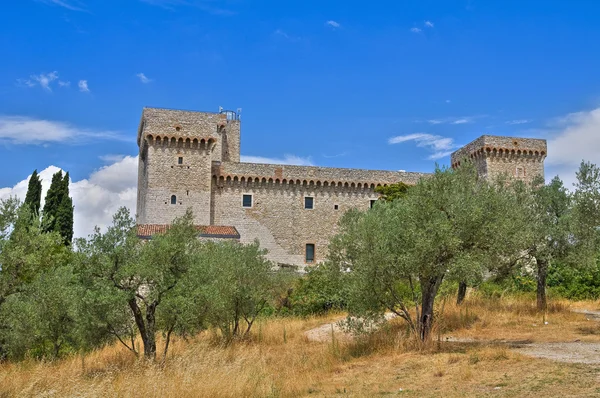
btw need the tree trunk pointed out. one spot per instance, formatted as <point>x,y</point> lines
<point>150,342</point>
<point>542,270</point>
<point>462,292</point>
<point>429,289</point>
<point>146,329</point>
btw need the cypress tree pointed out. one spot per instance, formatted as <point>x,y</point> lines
<point>53,199</point>
<point>64,215</point>
<point>58,208</point>
<point>34,194</point>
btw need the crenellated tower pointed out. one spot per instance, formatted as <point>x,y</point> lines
<point>520,158</point>
<point>176,153</point>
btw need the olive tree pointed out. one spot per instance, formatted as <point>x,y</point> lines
<point>130,278</point>
<point>399,253</point>
<point>241,284</point>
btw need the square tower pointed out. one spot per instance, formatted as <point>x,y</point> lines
<point>520,158</point>
<point>177,149</point>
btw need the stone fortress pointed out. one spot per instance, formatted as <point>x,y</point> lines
<point>192,160</point>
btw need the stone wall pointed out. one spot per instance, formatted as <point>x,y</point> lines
<point>211,181</point>
<point>321,175</point>
<point>189,125</point>
<point>278,218</point>
<point>521,158</point>
<point>163,176</point>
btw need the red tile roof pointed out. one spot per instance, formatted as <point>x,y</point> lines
<point>205,231</point>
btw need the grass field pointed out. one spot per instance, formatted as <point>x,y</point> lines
<point>279,361</point>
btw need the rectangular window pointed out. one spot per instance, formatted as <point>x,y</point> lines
<point>309,202</point>
<point>335,207</point>
<point>373,201</point>
<point>520,172</point>
<point>180,160</point>
<point>246,200</point>
<point>310,253</point>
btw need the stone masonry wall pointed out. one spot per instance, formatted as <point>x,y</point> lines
<point>278,218</point>
<point>190,182</point>
<point>521,158</point>
<point>211,182</point>
<point>315,174</point>
<point>193,125</point>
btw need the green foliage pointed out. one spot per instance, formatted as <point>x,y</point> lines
<point>8,217</point>
<point>575,284</point>
<point>58,208</point>
<point>27,252</point>
<point>393,191</point>
<point>40,320</point>
<point>241,283</point>
<point>450,225</point>
<point>322,289</point>
<point>123,274</point>
<point>33,197</point>
<point>34,296</point>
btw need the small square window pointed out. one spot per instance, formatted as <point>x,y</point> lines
<point>373,201</point>
<point>309,202</point>
<point>246,200</point>
<point>335,207</point>
<point>180,160</point>
<point>310,253</point>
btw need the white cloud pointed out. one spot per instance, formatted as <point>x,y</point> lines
<point>333,24</point>
<point>83,86</point>
<point>143,78</point>
<point>111,158</point>
<point>440,146</point>
<point>282,34</point>
<point>453,120</point>
<point>204,5</point>
<point>572,139</point>
<point>518,121</point>
<point>44,80</point>
<point>64,84</point>
<point>62,3</point>
<point>287,159</point>
<point>416,30</point>
<point>26,130</point>
<point>96,198</point>
<point>428,24</point>
<point>461,121</point>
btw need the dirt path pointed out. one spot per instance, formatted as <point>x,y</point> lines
<point>573,352</point>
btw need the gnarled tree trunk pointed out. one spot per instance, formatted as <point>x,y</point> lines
<point>146,327</point>
<point>462,292</point>
<point>542,273</point>
<point>429,289</point>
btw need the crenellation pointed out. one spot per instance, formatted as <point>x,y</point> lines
<point>494,156</point>
<point>194,158</point>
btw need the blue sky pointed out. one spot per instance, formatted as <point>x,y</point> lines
<point>320,82</point>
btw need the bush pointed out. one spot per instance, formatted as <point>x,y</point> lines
<point>575,284</point>
<point>321,290</point>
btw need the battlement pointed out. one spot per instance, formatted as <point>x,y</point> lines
<point>218,132</point>
<point>191,160</point>
<point>521,158</point>
<point>500,146</point>
<point>288,175</point>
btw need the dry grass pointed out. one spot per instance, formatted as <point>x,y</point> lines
<point>280,362</point>
<point>517,319</point>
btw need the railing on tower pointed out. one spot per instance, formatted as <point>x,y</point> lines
<point>231,115</point>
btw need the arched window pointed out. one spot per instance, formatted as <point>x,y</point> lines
<point>173,199</point>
